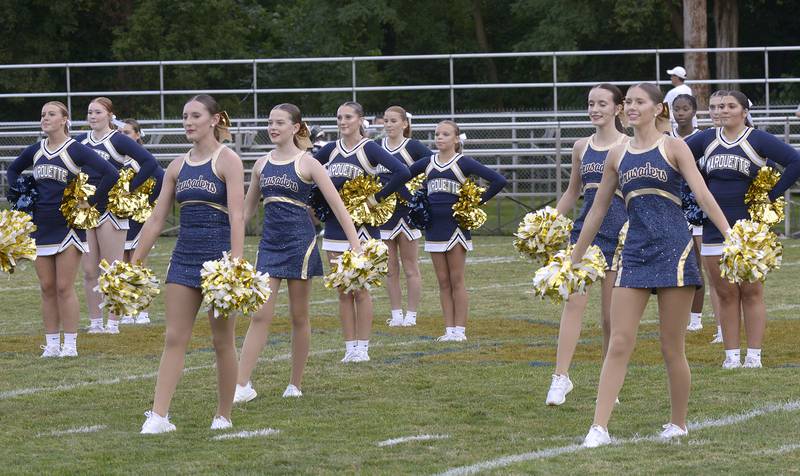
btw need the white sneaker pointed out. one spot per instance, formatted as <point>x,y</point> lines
<point>68,351</point>
<point>394,322</point>
<point>672,430</point>
<point>98,329</point>
<point>717,339</point>
<point>360,356</point>
<point>459,337</point>
<point>445,338</point>
<point>114,329</point>
<point>142,318</point>
<point>348,356</point>
<point>752,362</point>
<point>695,326</point>
<point>156,424</point>
<point>560,386</point>
<point>50,351</point>
<point>597,436</point>
<point>127,320</point>
<point>292,391</point>
<point>409,321</point>
<point>731,364</point>
<point>220,423</point>
<point>244,393</point>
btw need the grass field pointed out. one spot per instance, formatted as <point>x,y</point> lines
<point>481,403</point>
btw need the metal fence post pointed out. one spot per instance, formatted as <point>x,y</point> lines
<point>452,91</point>
<point>766,77</point>
<point>658,66</point>
<point>161,88</point>
<point>69,90</point>
<point>558,127</point>
<point>354,78</point>
<point>255,88</point>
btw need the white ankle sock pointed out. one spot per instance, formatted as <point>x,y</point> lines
<point>754,353</point>
<point>460,330</point>
<point>112,323</point>
<point>53,339</point>
<point>363,345</point>
<point>350,345</point>
<point>411,315</point>
<point>70,339</point>
<point>397,314</point>
<point>449,331</point>
<point>719,330</point>
<point>733,354</point>
<point>96,322</point>
<point>696,316</point>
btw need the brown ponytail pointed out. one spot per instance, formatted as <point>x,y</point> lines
<point>302,139</point>
<point>404,115</point>
<point>222,130</point>
<point>618,99</point>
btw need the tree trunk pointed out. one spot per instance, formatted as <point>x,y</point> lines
<point>483,44</point>
<point>726,19</point>
<point>695,35</point>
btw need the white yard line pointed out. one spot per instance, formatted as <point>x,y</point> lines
<point>71,431</point>
<point>405,439</point>
<point>552,452</point>
<point>778,451</point>
<point>246,434</point>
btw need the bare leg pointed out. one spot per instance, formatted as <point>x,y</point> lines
<point>755,313</point>
<point>605,307</point>
<point>627,306</point>
<point>409,255</point>
<point>257,334</point>
<point>456,261</point>
<point>729,304</point>
<point>445,293</point>
<point>111,245</point>
<point>699,293</point>
<point>673,313</point>
<point>299,295</point>
<point>181,305</point>
<point>224,337</point>
<point>91,271</point>
<point>67,263</point>
<point>569,331</point>
<point>363,314</point>
<point>46,271</point>
<point>393,275</point>
<point>347,309</point>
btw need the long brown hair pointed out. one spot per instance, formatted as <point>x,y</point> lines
<point>655,94</point>
<point>222,129</point>
<point>404,115</point>
<point>302,138</point>
<point>137,128</point>
<point>618,98</point>
<point>359,112</point>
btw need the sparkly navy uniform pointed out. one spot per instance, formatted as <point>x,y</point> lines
<point>118,149</point>
<point>443,182</point>
<point>343,165</point>
<point>658,247</point>
<point>593,162</point>
<point>52,171</point>
<point>408,152</point>
<point>288,247</point>
<point>731,166</point>
<point>205,231</point>
<point>135,227</point>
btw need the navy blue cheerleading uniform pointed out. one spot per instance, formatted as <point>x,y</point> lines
<point>730,167</point>
<point>288,246</point>
<point>205,231</point>
<point>408,152</point>
<point>52,171</point>
<point>342,165</point>
<point>697,230</point>
<point>135,227</point>
<point>118,149</point>
<point>443,182</point>
<point>593,161</point>
<point>658,247</point>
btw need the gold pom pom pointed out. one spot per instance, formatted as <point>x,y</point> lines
<point>467,209</point>
<point>15,240</point>
<point>358,197</point>
<point>232,285</point>
<point>355,271</point>
<point>74,206</point>
<point>127,288</point>
<point>121,201</point>
<point>560,277</point>
<point>750,252</point>
<point>142,197</point>
<point>542,233</point>
<point>412,186</point>
<point>623,234</point>
<point>760,207</point>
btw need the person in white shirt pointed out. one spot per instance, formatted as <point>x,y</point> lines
<point>678,77</point>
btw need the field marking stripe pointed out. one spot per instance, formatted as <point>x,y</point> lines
<point>129,378</point>
<point>552,452</point>
<point>405,439</point>
<point>246,434</point>
<point>71,431</point>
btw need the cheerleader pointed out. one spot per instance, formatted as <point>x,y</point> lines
<point>713,111</point>
<point>684,110</point>
<point>132,129</point>
<point>588,160</point>
<point>731,158</point>
<point>56,161</point>
<point>400,237</point>
<point>107,239</point>
<point>657,254</point>
<point>446,241</point>
<point>208,185</point>
<point>288,247</point>
<point>347,158</point>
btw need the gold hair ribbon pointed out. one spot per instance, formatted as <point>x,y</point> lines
<point>224,120</point>
<point>665,111</point>
<point>303,132</point>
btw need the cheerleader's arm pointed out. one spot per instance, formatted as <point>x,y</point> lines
<point>400,173</point>
<point>253,190</point>
<point>496,181</point>
<point>602,200</point>
<point>313,169</point>
<point>767,145</point>
<point>570,196</point>
<point>155,223</point>
<point>83,156</point>
<point>147,162</point>
<point>232,172</point>
<point>21,163</point>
